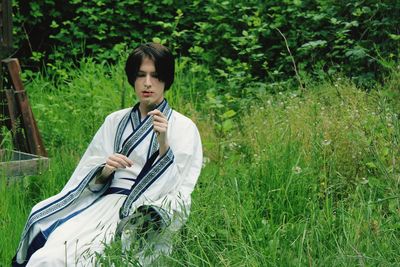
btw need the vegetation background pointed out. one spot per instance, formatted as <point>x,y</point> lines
<point>297,103</point>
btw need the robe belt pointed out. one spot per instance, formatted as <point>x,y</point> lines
<point>117,190</point>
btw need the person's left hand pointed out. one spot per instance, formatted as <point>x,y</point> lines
<point>160,126</point>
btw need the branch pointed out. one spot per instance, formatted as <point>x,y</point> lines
<point>293,62</point>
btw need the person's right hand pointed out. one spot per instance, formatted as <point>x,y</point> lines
<point>114,162</point>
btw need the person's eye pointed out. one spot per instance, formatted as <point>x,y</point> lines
<point>154,75</point>
<point>140,74</point>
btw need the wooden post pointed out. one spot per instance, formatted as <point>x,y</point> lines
<point>23,110</point>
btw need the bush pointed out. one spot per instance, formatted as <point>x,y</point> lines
<point>233,37</point>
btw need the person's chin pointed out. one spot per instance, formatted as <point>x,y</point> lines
<point>145,100</point>
<point>148,102</point>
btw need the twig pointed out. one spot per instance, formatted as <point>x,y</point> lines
<point>293,61</point>
<point>360,256</point>
<point>27,37</point>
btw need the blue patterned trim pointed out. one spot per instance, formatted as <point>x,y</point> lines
<point>135,117</point>
<point>59,222</point>
<point>120,130</point>
<point>146,180</point>
<point>154,146</point>
<point>163,215</point>
<point>142,130</point>
<point>60,203</point>
<point>136,137</point>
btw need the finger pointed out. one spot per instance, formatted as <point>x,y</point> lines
<point>117,162</point>
<point>155,112</point>
<point>127,160</point>
<point>160,124</point>
<point>158,115</point>
<point>160,119</point>
<point>112,164</point>
<point>119,158</point>
<point>160,130</point>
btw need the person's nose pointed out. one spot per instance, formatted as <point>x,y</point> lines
<point>147,81</point>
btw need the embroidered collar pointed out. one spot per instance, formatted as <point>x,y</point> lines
<point>140,130</point>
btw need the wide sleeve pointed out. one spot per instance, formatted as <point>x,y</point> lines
<point>184,160</point>
<point>180,168</point>
<point>164,215</point>
<point>96,154</point>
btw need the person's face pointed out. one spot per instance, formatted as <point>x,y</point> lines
<point>149,89</point>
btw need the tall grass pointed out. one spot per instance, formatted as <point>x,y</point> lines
<point>301,180</point>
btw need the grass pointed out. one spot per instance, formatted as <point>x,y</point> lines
<point>307,179</point>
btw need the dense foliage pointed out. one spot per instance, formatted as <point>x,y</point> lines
<point>239,39</point>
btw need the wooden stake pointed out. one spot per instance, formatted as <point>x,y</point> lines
<point>28,123</point>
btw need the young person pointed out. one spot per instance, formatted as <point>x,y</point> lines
<point>144,159</point>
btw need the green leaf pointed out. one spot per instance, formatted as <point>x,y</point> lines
<point>54,25</point>
<point>314,44</point>
<point>229,114</point>
<point>395,37</point>
<point>371,165</point>
<point>156,40</point>
<point>356,53</point>
<point>227,125</point>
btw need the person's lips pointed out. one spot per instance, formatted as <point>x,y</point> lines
<point>147,93</point>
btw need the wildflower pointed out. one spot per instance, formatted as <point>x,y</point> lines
<point>296,169</point>
<point>364,180</point>
<point>326,142</point>
<point>205,161</point>
<point>232,145</point>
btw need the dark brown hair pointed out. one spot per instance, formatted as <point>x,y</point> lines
<point>163,60</point>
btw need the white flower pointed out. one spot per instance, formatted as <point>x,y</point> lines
<point>326,142</point>
<point>205,161</point>
<point>296,169</point>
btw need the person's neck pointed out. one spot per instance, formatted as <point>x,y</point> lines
<point>144,109</point>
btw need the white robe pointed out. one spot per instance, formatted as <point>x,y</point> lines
<point>170,181</point>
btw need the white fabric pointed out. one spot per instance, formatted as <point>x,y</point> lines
<point>75,242</point>
<point>171,192</point>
